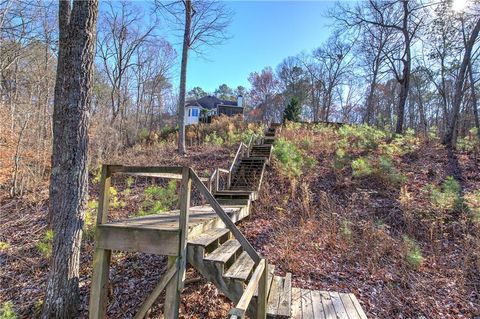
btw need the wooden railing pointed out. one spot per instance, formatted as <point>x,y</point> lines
<point>242,151</point>
<point>173,279</point>
<point>259,280</point>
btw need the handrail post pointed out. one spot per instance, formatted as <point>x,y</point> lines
<point>217,181</point>
<point>175,286</point>
<point>101,257</point>
<point>262,293</point>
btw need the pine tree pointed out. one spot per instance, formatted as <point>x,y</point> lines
<point>292,110</point>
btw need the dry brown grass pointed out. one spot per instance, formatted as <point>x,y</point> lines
<point>342,233</point>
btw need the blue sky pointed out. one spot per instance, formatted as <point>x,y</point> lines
<point>263,34</point>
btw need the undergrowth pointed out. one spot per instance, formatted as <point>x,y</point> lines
<point>159,199</point>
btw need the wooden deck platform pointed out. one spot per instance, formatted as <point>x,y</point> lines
<point>142,234</point>
<point>314,304</point>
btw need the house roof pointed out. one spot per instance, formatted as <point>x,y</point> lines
<point>210,102</point>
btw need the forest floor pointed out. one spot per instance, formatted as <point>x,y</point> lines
<point>339,216</point>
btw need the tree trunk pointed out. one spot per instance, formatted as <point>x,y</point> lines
<point>473,97</point>
<point>458,93</point>
<point>183,78</point>
<point>68,183</point>
<point>405,81</point>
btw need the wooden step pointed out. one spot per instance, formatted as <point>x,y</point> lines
<point>207,238</point>
<point>241,268</point>
<point>225,252</point>
<point>280,297</point>
<point>234,201</point>
<point>232,196</point>
<point>252,159</point>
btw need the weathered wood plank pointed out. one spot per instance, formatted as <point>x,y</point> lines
<point>285,300</point>
<point>349,306</point>
<point>328,305</point>
<point>340,311</point>
<point>225,252</point>
<point>318,311</point>
<point>262,289</point>
<point>160,242</point>
<point>358,307</point>
<point>208,237</point>
<point>225,218</point>
<point>296,303</point>
<point>241,268</point>
<point>271,272</point>
<point>241,307</point>
<point>99,288</point>
<point>274,295</point>
<point>177,170</point>
<point>148,303</point>
<point>307,306</point>
<point>171,301</point>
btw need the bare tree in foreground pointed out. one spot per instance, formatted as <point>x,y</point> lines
<point>204,24</point>
<point>68,184</point>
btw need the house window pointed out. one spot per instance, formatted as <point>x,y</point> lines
<point>195,112</point>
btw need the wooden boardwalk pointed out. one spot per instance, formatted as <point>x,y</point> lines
<point>314,304</point>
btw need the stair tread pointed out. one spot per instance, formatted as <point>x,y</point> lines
<point>208,237</point>
<point>280,297</point>
<point>241,268</point>
<point>223,253</point>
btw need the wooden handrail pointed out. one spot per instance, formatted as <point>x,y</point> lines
<point>258,279</point>
<point>225,218</point>
<point>235,159</point>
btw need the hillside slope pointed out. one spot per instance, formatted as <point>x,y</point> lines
<point>356,210</point>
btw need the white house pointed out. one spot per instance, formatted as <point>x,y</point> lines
<point>206,107</point>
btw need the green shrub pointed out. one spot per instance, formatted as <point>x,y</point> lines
<point>340,159</point>
<point>413,252</point>
<point>472,200</point>
<point>143,134</point>
<point>214,139</point>
<point>45,245</point>
<point>447,196</point>
<point>98,175</point>
<point>361,137</point>
<point>4,245</point>
<point>470,142</point>
<point>7,311</point>
<point>306,144</point>
<point>361,167</point>
<point>159,199</point>
<point>289,157</point>
<point>89,223</point>
<point>114,200</point>
<point>388,172</point>
<point>406,143</point>
<point>346,229</point>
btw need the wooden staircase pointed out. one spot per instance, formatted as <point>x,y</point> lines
<point>206,237</point>
<point>220,258</point>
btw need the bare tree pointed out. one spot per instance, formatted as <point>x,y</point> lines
<point>204,24</point>
<point>402,17</point>
<point>69,177</point>
<point>334,63</point>
<point>120,36</point>
<point>470,40</point>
